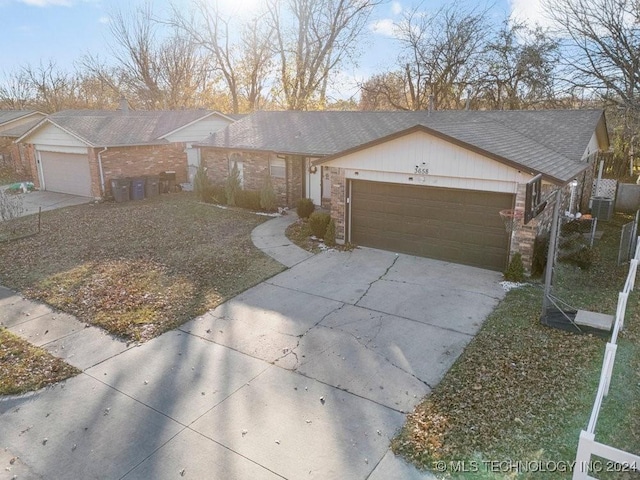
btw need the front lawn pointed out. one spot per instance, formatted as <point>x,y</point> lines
<point>26,368</point>
<point>140,268</point>
<point>522,391</point>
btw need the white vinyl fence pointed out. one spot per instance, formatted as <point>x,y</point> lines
<point>615,460</point>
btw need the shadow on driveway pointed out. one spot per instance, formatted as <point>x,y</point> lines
<point>307,375</point>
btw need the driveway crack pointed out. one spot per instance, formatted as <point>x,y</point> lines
<point>377,279</point>
<point>292,351</point>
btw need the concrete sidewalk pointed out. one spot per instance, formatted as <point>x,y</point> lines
<point>306,375</point>
<point>271,239</point>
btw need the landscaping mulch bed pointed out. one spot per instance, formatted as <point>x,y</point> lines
<point>139,268</point>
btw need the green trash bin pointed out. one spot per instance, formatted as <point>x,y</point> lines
<point>120,188</point>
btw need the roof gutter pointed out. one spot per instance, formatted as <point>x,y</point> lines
<point>102,189</point>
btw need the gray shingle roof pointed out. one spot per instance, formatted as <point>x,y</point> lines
<point>8,116</point>
<point>551,142</point>
<point>108,128</point>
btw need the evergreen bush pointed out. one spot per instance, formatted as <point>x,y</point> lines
<point>268,200</point>
<point>515,270</point>
<point>305,207</point>
<point>318,223</point>
<point>232,186</point>
<point>330,234</point>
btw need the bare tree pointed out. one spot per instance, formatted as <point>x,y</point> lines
<point>135,51</point>
<point>441,59</point>
<point>243,60</point>
<point>312,38</point>
<point>519,68</point>
<point>386,91</point>
<point>53,89</point>
<point>601,46</point>
<point>15,91</point>
<point>442,54</point>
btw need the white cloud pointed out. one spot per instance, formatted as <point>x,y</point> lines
<point>530,12</point>
<point>104,20</point>
<point>385,26</point>
<point>396,8</point>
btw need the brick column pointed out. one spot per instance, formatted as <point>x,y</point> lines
<point>338,202</point>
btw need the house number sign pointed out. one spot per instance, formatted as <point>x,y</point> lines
<point>422,169</point>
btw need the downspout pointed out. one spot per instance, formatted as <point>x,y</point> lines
<point>102,188</point>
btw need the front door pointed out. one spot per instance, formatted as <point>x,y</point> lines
<point>314,182</point>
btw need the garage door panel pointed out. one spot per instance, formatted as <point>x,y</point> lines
<point>66,173</point>
<point>461,226</point>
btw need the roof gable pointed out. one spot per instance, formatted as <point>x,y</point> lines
<point>14,123</point>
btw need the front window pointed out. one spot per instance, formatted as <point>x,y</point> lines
<point>277,168</point>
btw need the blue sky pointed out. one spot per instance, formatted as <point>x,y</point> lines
<point>65,30</point>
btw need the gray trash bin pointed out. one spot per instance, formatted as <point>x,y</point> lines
<point>120,189</point>
<point>137,189</point>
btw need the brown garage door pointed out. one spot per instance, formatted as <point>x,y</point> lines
<point>66,173</point>
<point>461,226</point>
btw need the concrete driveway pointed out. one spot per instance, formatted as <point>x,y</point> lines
<point>32,201</point>
<point>307,375</point>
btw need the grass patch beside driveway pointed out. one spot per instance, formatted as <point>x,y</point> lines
<point>26,368</point>
<point>138,268</point>
<point>522,391</point>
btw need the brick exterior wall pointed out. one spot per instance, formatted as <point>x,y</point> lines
<point>19,157</point>
<point>523,237</point>
<point>137,161</point>
<point>23,157</point>
<point>338,202</point>
<point>255,167</point>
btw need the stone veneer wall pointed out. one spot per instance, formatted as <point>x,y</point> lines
<point>338,202</point>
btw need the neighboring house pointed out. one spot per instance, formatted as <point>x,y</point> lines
<point>80,151</point>
<point>14,124</point>
<point>424,183</point>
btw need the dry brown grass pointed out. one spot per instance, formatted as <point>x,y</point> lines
<point>140,268</point>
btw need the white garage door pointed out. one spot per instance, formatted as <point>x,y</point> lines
<point>66,173</point>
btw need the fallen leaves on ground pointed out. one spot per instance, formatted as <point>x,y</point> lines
<point>139,268</point>
<point>26,368</point>
<point>522,391</point>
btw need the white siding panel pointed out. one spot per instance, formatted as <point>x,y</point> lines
<point>593,146</point>
<point>199,130</point>
<point>51,135</point>
<point>448,165</point>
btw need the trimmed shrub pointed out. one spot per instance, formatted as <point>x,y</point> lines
<point>305,207</point>
<point>249,199</point>
<point>318,223</point>
<point>268,200</point>
<point>515,270</point>
<point>232,186</point>
<point>330,234</point>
